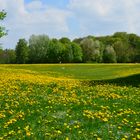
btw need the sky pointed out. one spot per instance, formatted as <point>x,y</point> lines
<point>68,18</point>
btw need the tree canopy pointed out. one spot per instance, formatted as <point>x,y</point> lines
<point>22,51</point>
<point>120,47</point>
<point>2,29</point>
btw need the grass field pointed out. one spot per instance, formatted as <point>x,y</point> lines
<point>70,102</point>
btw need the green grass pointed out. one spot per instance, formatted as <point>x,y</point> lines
<point>43,102</point>
<point>83,71</point>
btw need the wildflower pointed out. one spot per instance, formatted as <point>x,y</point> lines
<point>105,119</point>
<point>2,115</point>
<point>67,138</point>
<point>123,139</point>
<point>138,137</point>
<point>137,129</point>
<point>28,133</point>
<point>119,127</point>
<point>59,132</point>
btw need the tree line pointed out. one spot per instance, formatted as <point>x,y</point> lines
<point>120,47</point>
<point>117,48</point>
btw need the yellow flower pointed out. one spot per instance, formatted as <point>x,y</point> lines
<point>65,124</point>
<point>59,132</point>
<point>123,139</point>
<point>67,138</point>
<point>2,116</point>
<point>137,129</point>
<point>119,127</point>
<point>138,137</point>
<point>79,132</point>
<point>105,119</point>
<point>28,133</point>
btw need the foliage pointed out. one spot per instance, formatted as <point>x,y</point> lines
<point>38,48</point>
<point>2,29</point>
<point>72,52</point>
<point>122,51</point>
<point>109,55</point>
<point>91,50</point>
<point>7,56</point>
<point>124,48</point>
<point>55,50</point>
<point>65,40</point>
<point>77,52</point>
<point>22,51</point>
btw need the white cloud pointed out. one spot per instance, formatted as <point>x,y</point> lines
<point>105,16</point>
<point>34,5</point>
<point>78,18</point>
<point>24,20</point>
<point>131,12</point>
<point>90,7</point>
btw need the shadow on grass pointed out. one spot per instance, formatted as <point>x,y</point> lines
<point>133,80</point>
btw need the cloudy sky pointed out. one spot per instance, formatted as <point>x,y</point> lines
<point>70,18</point>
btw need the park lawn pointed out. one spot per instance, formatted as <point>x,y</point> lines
<point>81,71</point>
<point>70,102</point>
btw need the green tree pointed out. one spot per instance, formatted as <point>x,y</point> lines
<point>65,40</point>
<point>38,48</point>
<point>22,52</point>
<point>109,55</point>
<point>97,52</point>
<point>7,56</point>
<point>2,29</point>
<point>122,51</point>
<point>11,56</point>
<point>134,49</point>
<point>123,36</point>
<point>87,49</point>
<point>91,50</point>
<point>54,52</point>
<point>1,55</point>
<point>67,53</point>
<point>77,52</point>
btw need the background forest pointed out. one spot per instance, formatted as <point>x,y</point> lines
<point>120,47</point>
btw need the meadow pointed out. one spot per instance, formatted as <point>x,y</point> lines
<point>70,102</point>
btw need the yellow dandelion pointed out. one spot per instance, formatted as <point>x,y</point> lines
<point>28,133</point>
<point>67,138</point>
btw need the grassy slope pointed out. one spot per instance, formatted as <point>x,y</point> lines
<point>35,106</point>
<point>82,71</point>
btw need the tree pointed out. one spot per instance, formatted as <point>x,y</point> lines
<point>22,51</point>
<point>122,51</point>
<point>65,40</point>
<point>77,52</point>
<point>134,49</point>
<point>8,56</point>
<point>2,29</point>
<point>11,56</point>
<point>1,56</point>
<point>97,53</point>
<point>38,48</point>
<point>54,52</point>
<point>87,49</point>
<point>109,55</point>
<point>122,36</point>
<point>67,52</point>
<point>91,50</point>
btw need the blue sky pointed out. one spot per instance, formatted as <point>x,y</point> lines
<point>70,18</point>
<point>54,3</point>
